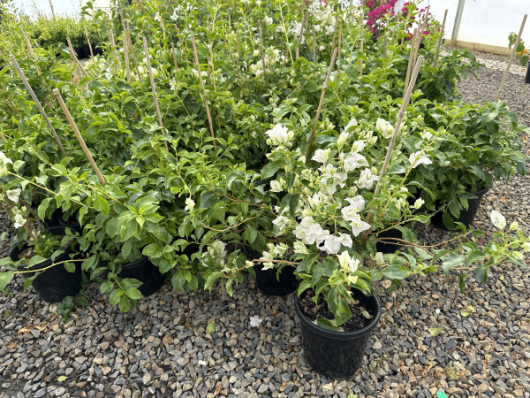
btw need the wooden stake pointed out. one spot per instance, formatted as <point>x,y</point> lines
<point>121,16</point>
<point>114,53</point>
<point>301,37</point>
<point>262,56</point>
<point>384,49</point>
<point>131,47</point>
<point>401,115</point>
<point>39,106</point>
<point>362,63</point>
<point>409,67</point>
<point>126,55</point>
<point>153,88</point>
<point>198,66</point>
<point>340,44</point>
<point>30,51</point>
<point>174,56</point>
<point>440,41</point>
<point>324,88</point>
<point>74,58</point>
<point>53,11</point>
<point>314,45</point>
<point>514,49</point>
<point>88,41</point>
<point>78,135</point>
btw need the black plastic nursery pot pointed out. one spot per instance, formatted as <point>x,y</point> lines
<point>527,78</point>
<point>466,216</point>
<point>146,272</point>
<point>336,354</point>
<point>267,281</point>
<point>387,248</point>
<point>56,282</point>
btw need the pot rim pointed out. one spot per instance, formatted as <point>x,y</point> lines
<point>338,335</point>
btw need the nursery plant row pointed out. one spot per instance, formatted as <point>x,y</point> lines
<point>300,142</point>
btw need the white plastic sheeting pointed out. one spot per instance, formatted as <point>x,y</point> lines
<point>483,21</point>
<point>70,8</point>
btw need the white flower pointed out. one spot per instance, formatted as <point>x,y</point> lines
<point>300,248</point>
<point>4,161</point>
<point>526,246</point>
<point>255,321</point>
<point>350,213</point>
<point>276,186</point>
<point>13,195</point>
<point>418,203</point>
<point>322,155</point>
<point>418,158</point>
<point>354,161</point>
<point>190,204</point>
<point>426,135</point>
<point>384,128</point>
<point>366,179</point>
<point>332,243</point>
<point>322,48</point>
<point>268,20</point>
<point>281,222</point>
<point>256,53</point>
<point>343,138</point>
<point>358,146</point>
<point>513,226</point>
<point>347,262</point>
<point>498,219</point>
<point>378,258</point>
<point>280,135</point>
<point>351,123</point>
<point>310,231</point>
<point>19,220</point>
<point>358,226</point>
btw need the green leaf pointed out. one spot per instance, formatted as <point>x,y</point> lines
<point>61,378</point>
<point>43,207</point>
<point>453,260</point>
<point>396,272</point>
<point>326,324</point>
<point>5,278</point>
<point>211,280</point>
<point>435,331</point>
<point>17,165</point>
<point>211,327</point>
<point>152,251</point>
<point>133,293</point>
<point>115,296</point>
<point>252,233</point>
<point>70,267</point>
<point>113,227</point>
<point>36,260</point>
<point>56,254</point>
<point>101,205</point>
<point>474,256</point>
<point>478,171</point>
<point>125,304</point>
<point>270,169</point>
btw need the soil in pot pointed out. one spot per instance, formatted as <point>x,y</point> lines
<point>387,248</point>
<point>56,282</point>
<point>146,272</point>
<point>466,216</point>
<point>267,280</point>
<point>336,354</point>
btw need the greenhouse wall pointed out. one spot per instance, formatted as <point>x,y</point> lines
<point>485,24</point>
<point>62,7</point>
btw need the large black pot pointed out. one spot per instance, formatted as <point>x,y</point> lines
<point>466,216</point>
<point>146,272</point>
<point>387,248</point>
<point>336,354</point>
<point>527,78</point>
<point>267,281</point>
<point>56,282</point>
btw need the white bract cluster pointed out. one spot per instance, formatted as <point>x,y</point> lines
<point>322,15</point>
<point>4,161</point>
<point>217,251</point>
<point>385,128</point>
<point>280,135</point>
<point>273,57</point>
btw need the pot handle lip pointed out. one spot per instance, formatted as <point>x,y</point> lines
<point>338,335</point>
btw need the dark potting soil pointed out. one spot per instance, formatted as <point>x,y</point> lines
<point>356,322</point>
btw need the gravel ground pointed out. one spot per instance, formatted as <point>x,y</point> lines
<point>161,347</point>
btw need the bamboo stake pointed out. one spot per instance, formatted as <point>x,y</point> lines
<point>440,40</point>
<point>262,56</point>
<point>409,67</point>
<point>88,41</point>
<point>163,27</point>
<point>514,49</point>
<point>131,47</point>
<point>39,106</point>
<point>174,56</point>
<point>362,63</point>
<point>30,51</point>
<point>78,135</point>
<point>324,88</point>
<point>114,53</point>
<point>314,45</point>
<point>340,45</point>
<point>401,115</point>
<point>126,55</point>
<point>53,11</point>
<point>181,44</point>
<point>384,49</point>
<point>121,15</point>
<point>301,37</point>
<point>74,58</point>
<point>153,88</point>
<point>198,66</point>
